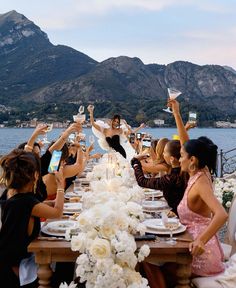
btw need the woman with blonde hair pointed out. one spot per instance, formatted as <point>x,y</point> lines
<point>156,164</point>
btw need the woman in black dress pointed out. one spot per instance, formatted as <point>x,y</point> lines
<point>112,134</point>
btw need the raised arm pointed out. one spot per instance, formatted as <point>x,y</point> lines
<point>183,135</point>
<point>78,166</point>
<point>39,130</point>
<point>46,211</point>
<point>93,123</point>
<point>75,127</point>
<point>138,128</point>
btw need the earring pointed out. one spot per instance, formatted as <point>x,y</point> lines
<point>192,167</point>
<point>35,187</point>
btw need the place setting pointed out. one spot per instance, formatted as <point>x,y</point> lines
<point>58,228</point>
<point>165,226</point>
<point>151,193</point>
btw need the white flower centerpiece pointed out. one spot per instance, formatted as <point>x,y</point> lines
<point>225,189</point>
<point>111,217</point>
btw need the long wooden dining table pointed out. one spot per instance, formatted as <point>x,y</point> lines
<point>48,251</point>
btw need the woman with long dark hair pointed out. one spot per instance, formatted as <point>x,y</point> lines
<point>112,134</point>
<point>199,209</point>
<point>21,211</point>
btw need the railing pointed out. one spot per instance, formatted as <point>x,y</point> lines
<point>227,162</point>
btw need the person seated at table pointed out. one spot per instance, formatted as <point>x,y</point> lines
<point>156,164</point>
<point>70,170</point>
<point>199,209</point>
<point>111,134</point>
<point>21,211</point>
<point>59,144</point>
<point>172,184</point>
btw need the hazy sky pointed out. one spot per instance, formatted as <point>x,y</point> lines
<point>156,31</point>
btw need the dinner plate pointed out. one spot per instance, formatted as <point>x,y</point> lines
<point>154,193</point>
<point>71,194</point>
<point>181,229</point>
<point>58,228</point>
<point>71,208</point>
<point>154,205</point>
<point>84,181</point>
<point>157,224</point>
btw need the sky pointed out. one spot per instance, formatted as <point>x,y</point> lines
<point>156,31</point>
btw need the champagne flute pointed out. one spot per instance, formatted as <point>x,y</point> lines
<point>171,224</point>
<point>91,139</point>
<point>81,109</point>
<point>48,129</point>
<point>173,94</point>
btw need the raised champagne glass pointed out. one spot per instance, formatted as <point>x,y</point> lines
<point>48,129</point>
<point>173,94</point>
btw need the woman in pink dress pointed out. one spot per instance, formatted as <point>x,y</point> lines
<point>199,209</point>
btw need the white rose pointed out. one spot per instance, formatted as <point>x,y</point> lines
<point>100,248</point>
<point>78,243</point>
<point>141,228</point>
<point>134,209</point>
<point>107,231</point>
<point>122,222</point>
<point>228,204</point>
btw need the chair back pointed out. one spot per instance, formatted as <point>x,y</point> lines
<point>231,227</point>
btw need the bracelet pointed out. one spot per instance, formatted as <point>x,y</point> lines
<point>28,147</point>
<point>60,190</point>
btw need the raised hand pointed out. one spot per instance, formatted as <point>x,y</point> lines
<point>90,108</point>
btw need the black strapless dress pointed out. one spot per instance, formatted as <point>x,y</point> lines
<point>114,142</point>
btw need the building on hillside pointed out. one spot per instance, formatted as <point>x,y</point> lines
<point>159,122</point>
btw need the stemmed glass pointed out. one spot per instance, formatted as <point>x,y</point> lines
<point>91,139</point>
<point>80,117</point>
<point>171,224</point>
<point>173,94</point>
<point>45,138</point>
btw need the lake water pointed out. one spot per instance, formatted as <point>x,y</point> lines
<point>224,138</point>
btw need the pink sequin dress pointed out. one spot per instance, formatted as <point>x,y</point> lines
<point>210,262</point>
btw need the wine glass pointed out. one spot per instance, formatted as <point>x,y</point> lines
<point>91,139</point>
<point>48,129</point>
<point>171,224</point>
<point>81,109</point>
<point>80,117</point>
<point>72,138</point>
<point>173,94</point>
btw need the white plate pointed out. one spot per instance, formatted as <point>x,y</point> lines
<point>181,229</point>
<point>68,195</point>
<point>155,193</point>
<point>84,181</point>
<point>156,224</point>
<point>58,228</point>
<point>154,205</point>
<point>71,208</point>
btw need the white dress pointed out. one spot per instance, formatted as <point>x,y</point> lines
<point>130,152</point>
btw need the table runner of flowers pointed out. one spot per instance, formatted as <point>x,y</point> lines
<point>111,216</point>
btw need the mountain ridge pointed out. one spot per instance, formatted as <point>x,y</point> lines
<point>43,80</point>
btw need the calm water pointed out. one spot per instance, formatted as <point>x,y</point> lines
<point>224,138</point>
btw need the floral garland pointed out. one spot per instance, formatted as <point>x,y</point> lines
<point>110,218</point>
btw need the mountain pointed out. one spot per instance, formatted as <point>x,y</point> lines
<point>41,80</point>
<point>29,61</point>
